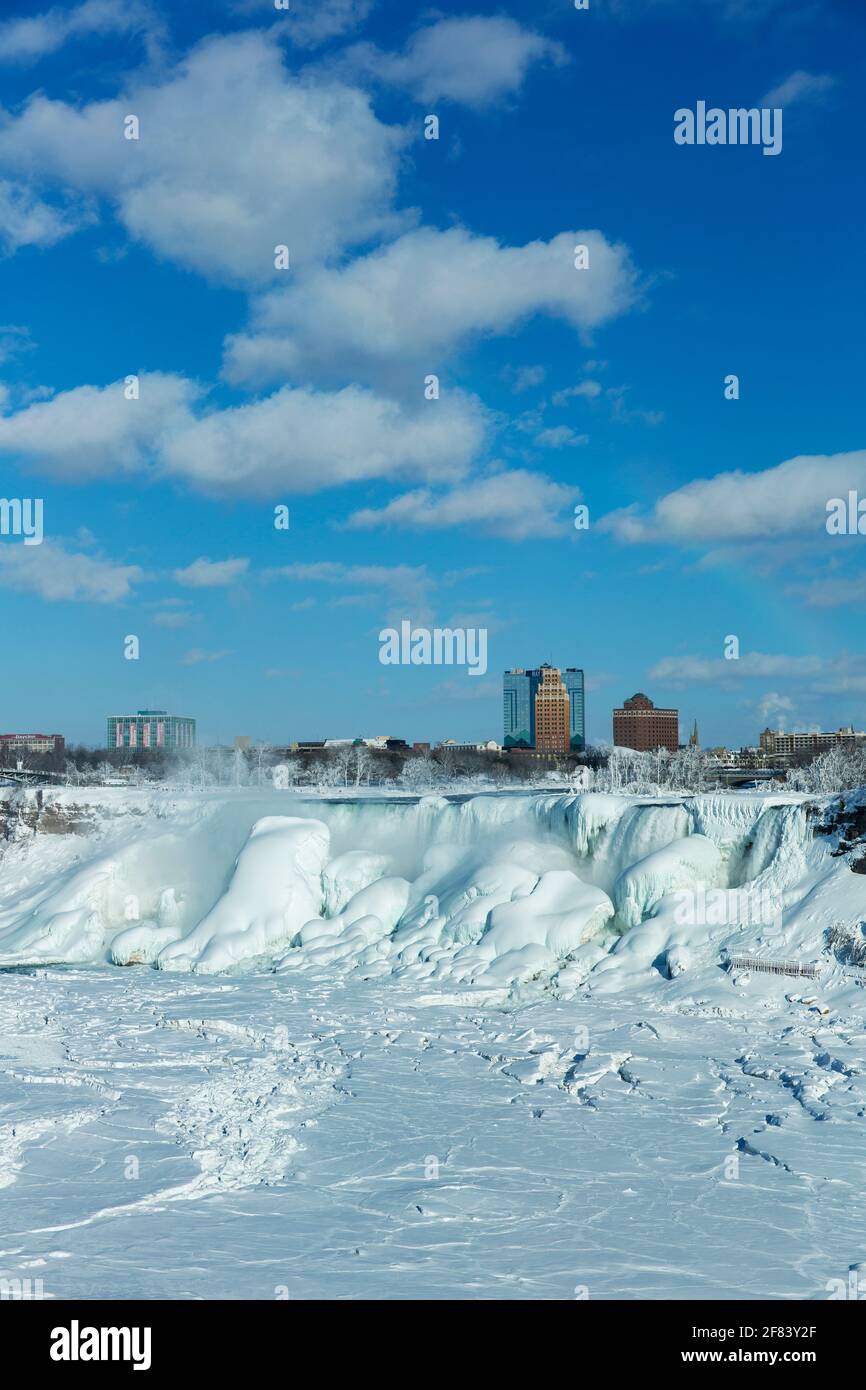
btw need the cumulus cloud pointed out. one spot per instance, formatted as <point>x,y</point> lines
<point>213,184</point>
<point>474,60</point>
<point>515,505</point>
<point>423,296</point>
<point>91,431</point>
<point>27,40</point>
<point>53,572</point>
<point>211,574</point>
<point>790,498</point>
<point>301,440</point>
<point>307,440</point>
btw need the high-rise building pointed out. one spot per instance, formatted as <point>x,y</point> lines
<point>638,724</point>
<point>573,678</point>
<point>150,729</point>
<point>552,713</point>
<point>561,709</point>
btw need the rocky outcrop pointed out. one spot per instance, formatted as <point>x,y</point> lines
<point>33,811</point>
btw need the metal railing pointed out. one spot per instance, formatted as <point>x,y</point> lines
<point>809,970</point>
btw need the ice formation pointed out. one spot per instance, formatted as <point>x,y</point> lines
<point>493,890</point>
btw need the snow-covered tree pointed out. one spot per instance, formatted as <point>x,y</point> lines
<point>416,774</point>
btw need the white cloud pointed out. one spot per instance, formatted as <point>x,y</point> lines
<point>53,572</point>
<point>751,665</point>
<point>587,390</point>
<point>306,441</point>
<point>515,504</point>
<point>475,60</point>
<point>25,220</point>
<point>627,415</point>
<point>422,297</point>
<point>211,574</point>
<point>26,40</point>
<point>91,431</point>
<point>406,588</point>
<point>215,184</point>
<point>173,618</point>
<point>800,86</point>
<point>834,592</point>
<point>312,22</point>
<point>300,440</point>
<point>198,654</point>
<point>524,378</point>
<point>14,339</point>
<point>560,437</point>
<point>790,498</point>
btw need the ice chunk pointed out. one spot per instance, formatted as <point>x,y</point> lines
<point>275,888</point>
<point>560,914</point>
<point>141,944</point>
<point>690,862</point>
<point>348,874</point>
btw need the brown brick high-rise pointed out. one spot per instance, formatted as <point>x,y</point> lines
<point>552,713</point>
<point>641,726</point>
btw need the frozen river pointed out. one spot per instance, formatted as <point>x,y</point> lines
<point>167,1137</point>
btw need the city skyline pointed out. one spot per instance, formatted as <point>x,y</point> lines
<point>253,481</point>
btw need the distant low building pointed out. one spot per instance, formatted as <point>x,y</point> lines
<point>777,743</point>
<point>489,747</point>
<point>150,730</point>
<point>12,744</point>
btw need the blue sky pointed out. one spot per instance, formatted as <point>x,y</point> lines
<point>305,387</point>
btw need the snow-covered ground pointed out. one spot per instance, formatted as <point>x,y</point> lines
<point>477,1048</point>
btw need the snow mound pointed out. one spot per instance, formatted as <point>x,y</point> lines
<point>348,874</point>
<point>141,944</point>
<point>691,862</point>
<point>276,887</point>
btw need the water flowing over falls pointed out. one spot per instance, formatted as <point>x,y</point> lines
<point>463,1047</point>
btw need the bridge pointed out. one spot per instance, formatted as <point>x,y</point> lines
<point>26,777</point>
<point>742,776</point>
